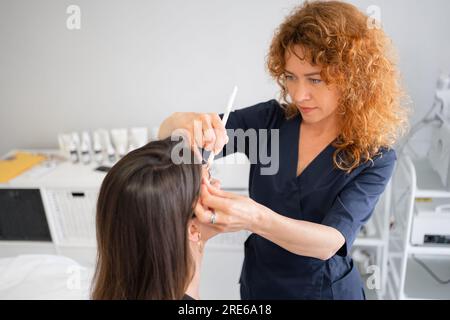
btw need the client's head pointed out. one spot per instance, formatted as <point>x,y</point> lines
<point>146,231</point>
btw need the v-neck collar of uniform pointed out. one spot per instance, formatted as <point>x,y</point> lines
<point>324,152</point>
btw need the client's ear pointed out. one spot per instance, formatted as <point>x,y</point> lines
<point>194,234</point>
<point>207,231</point>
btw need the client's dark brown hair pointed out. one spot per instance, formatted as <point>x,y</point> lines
<point>143,210</point>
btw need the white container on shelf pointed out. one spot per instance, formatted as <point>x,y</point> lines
<point>431,220</point>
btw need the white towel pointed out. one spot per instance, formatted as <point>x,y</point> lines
<point>46,277</point>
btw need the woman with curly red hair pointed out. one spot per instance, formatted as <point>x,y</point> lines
<point>338,118</point>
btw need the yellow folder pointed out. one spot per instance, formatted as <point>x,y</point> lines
<point>17,164</point>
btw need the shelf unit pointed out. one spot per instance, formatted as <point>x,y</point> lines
<point>407,279</point>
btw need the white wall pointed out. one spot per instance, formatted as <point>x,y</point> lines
<point>134,62</point>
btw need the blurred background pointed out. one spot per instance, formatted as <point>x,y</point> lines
<point>135,62</point>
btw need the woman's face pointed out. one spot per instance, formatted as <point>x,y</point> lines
<point>315,100</point>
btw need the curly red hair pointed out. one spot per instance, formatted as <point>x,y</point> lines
<point>359,59</point>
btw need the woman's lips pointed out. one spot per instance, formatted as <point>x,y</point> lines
<point>307,109</point>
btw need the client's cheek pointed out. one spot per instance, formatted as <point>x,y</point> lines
<point>215,183</point>
<point>205,173</point>
<point>207,231</point>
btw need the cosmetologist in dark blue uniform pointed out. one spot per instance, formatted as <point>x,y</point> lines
<point>320,194</point>
<point>331,132</point>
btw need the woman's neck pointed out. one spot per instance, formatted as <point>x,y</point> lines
<point>194,287</point>
<point>327,127</point>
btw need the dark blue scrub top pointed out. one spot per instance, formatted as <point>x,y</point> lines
<point>321,194</point>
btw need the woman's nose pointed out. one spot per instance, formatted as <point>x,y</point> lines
<point>301,93</point>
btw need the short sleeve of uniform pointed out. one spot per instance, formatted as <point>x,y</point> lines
<point>355,203</point>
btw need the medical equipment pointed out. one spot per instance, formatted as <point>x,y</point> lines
<point>438,117</point>
<point>439,152</point>
<point>431,219</point>
<point>420,213</point>
<point>443,95</point>
<point>431,222</point>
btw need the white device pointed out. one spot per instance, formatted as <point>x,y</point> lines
<point>439,153</point>
<point>443,95</point>
<point>431,222</point>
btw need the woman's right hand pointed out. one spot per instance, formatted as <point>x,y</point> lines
<point>204,130</point>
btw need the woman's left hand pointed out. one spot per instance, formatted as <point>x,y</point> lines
<point>233,212</point>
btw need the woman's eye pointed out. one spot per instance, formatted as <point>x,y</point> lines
<point>315,81</point>
<point>288,77</point>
